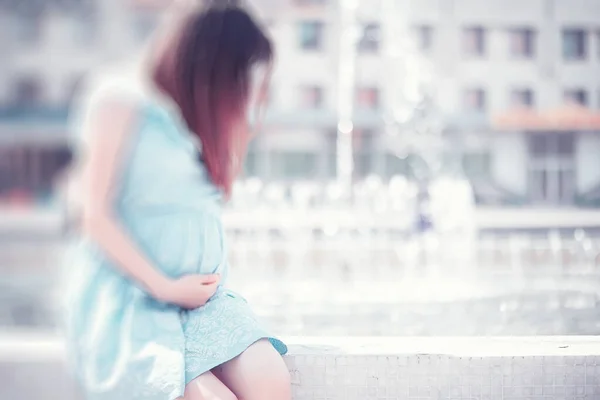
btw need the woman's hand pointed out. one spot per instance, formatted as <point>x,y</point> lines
<point>190,291</point>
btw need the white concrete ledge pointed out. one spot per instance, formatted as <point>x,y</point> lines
<point>547,368</point>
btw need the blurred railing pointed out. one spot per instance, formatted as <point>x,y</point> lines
<point>33,114</point>
<point>35,125</point>
<point>316,118</point>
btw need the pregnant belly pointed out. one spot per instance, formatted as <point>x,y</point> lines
<point>180,244</point>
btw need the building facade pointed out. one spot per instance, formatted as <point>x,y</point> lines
<point>515,84</point>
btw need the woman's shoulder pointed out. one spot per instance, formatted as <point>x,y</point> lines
<point>117,83</point>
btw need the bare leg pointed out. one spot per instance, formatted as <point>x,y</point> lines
<point>257,374</point>
<point>207,387</point>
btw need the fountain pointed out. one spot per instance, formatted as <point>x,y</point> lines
<point>423,220</point>
<point>444,203</point>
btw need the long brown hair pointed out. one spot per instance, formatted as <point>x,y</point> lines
<point>207,73</point>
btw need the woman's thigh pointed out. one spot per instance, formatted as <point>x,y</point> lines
<point>207,387</point>
<point>259,373</point>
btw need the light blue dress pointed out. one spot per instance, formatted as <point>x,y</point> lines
<point>124,344</point>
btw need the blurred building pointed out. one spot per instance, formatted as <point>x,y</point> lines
<point>516,86</point>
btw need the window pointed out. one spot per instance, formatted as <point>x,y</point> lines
<point>311,35</point>
<point>549,144</point>
<point>363,154</point>
<point>522,42</point>
<point>475,100</point>
<point>424,37</point>
<point>367,98</point>
<point>552,168</point>
<point>27,92</point>
<point>474,41</point>
<point>576,97</point>
<point>28,172</point>
<point>522,98</point>
<point>311,97</point>
<point>574,43</point>
<point>371,37</point>
<point>27,28</point>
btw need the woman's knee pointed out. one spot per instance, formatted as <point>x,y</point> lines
<point>258,374</point>
<point>208,387</point>
<point>271,382</point>
<point>274,379</point>
<point>279,384</point>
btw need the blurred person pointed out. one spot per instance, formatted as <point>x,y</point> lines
<point>424,222</point>
<point>160,141</point>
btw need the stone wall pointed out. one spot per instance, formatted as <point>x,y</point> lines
<point>378,368</point>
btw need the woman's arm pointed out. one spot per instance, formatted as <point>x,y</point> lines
<point>109,130</point>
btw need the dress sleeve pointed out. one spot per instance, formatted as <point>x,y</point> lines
<point>100,89</point>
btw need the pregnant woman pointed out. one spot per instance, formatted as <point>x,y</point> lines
<point>149,316</point>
